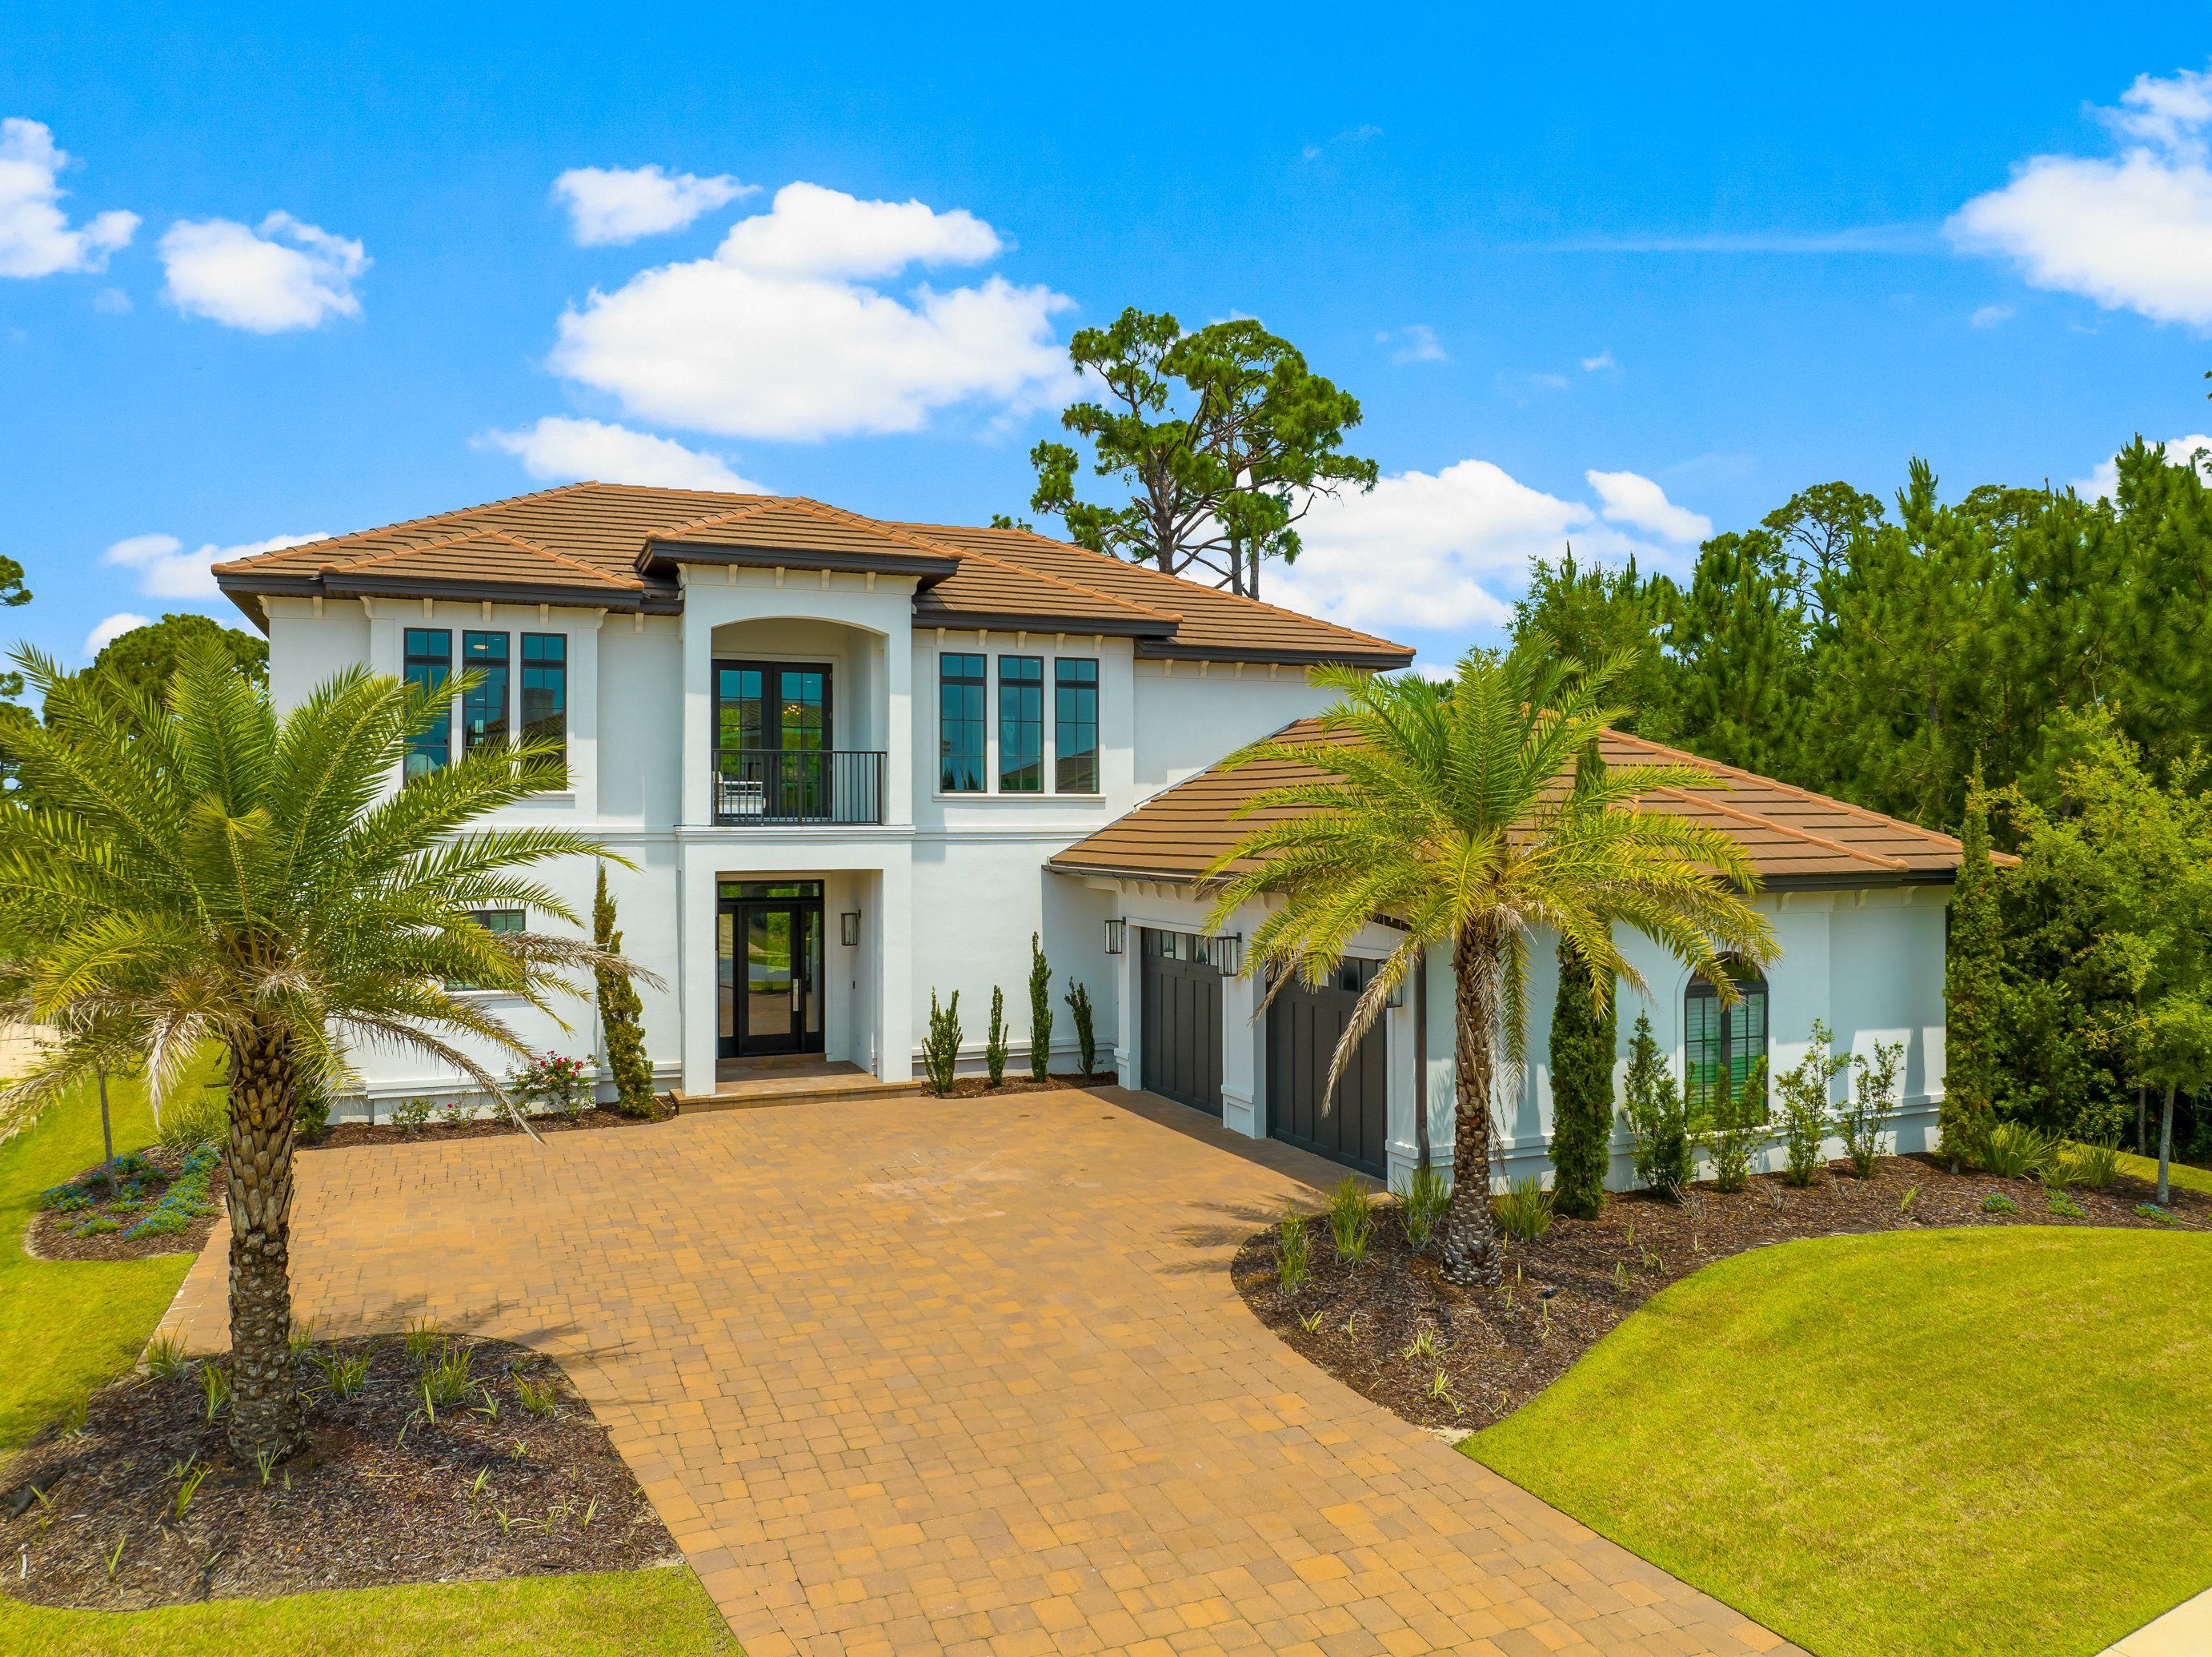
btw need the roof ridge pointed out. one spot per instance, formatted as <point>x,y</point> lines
<point>1703,764</point>
<point>750,507</point>
<point>1689,798</point>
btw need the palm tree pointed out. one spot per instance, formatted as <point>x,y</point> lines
<point>197,869</point>
<point>1472,813</point>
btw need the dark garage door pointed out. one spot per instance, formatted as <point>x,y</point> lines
<point>1303,1026</point>
<point>1181,1037</point>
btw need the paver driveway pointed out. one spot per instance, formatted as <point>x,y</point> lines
<point>968,1376</point>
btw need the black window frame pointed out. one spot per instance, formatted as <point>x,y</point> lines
<point>1022,692</point>
<point>532,730</point>
<point>486,919</point>
<point>1075,681</point>
<point>1739,1032</point>
<point>973,719</point>
<point>484,706</point>
<point>430,672</point>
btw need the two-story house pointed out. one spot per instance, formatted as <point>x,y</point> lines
<point>856,763</point>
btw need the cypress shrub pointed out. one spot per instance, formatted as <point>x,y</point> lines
<point>1581,1090</point>
<point>1040,1010</point>
<point>1972,985</point>
<point>621,1015</point>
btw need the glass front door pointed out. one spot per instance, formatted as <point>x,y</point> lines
<point>769,939</point>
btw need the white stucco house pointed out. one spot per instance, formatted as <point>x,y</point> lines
<point>855,762</point>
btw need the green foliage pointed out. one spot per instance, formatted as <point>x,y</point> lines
<point>422,1336</point>
<point>1735,1125</point>
<point>2015,1150</point>
<point>1594,614</point>
<point>1040,1012</point>
<point>1422,1198</point>
<point>345,1376</point>
<point>200,1117</point>
<point>1294,1258</point>
<point>1973,984</point>
<point>2094,1165</point>
<point>1351,1218</point>
<point>1582,1042</point>
<point>995,1042</point>
<point>1656,1116</point>
<point>940,1054</point>
<point>1086,1036</point>
<point>621,1015</point>
<point>1524,1211</point>
<point>1997,1203</point>
<point>1865,1119</point>
<point>448,1378</point>
<point>165,1357</point>
<point>414,1114</point>
<point>2065,1207</point>
<point>1805,1120</point>
<point>1222,437</point>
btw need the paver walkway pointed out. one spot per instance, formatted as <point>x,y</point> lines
<point>920,1376</point>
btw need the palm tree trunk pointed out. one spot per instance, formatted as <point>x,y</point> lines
<point>1470,1241</point>
<point>265,1391</point>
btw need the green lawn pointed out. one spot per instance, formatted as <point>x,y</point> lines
<point>1963,1441</point>
<point>2177,1174</point>
<point>67,1326</point>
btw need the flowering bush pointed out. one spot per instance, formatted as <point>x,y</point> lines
<point>553,1081</point>
<point>185,1200</point>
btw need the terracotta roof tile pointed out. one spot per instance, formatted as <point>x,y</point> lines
<point>1792,836</point>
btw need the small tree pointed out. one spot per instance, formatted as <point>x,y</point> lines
<point>1972,986</point>
<point>1040,1011</point>
<point>1735,1124</point>
<point>1656,1117</point>
<point>621,1015</point>
<point>2177,1057</point>
<point>1582,1089</point>
<point>994,1043</point>
<point>1804,1089</point>
<point>1865,1119</point>
<point>940,1054</point>
<point>1086,1039</point>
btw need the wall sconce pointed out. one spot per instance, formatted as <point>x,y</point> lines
<point>1228,953</point>
<point>848,927</point>
<point>1397,996</point>
<point>1116,932</point>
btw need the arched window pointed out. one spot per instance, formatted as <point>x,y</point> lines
<point>1714,1033</point>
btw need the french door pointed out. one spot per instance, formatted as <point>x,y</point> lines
<point>768,940</point>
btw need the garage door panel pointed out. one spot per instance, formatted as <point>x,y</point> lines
<point>1304,1027</point>
<point>1181,1002</point>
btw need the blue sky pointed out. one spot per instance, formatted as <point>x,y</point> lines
<point>1601,276</point>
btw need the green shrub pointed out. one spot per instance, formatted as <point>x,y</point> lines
<point>2094,1165</point>
<point>448,1378</point>
<point>549,1082</point>
<point>1295,1260</point>
<point>1997,1203</point>
<point>1581,1089</point>
<point>1865,1118</point>
<point>311,1111</point>
<point>1086,1038</point>
<point>1804,1091</point>
<point>995,1042</point>
<point>1736,1126</point>
<point>1655,1115</point>
<point>1524,1212</point>
<point>2152,1211</point>
<point>1422,1198</point>
<point>940,1054</point>
<point>415,1113</point>
<point>1040,1011</point>
<point>201,1118</point>
<point>2060,1203</point>
<point>2014,1150</point>
<point>621,1016</point>
<point>1350,1219</point>
<point>184,1201</point>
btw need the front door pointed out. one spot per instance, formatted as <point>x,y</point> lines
<point>772,740</point>
<point>768,939</point>
<point>1179,1036</point>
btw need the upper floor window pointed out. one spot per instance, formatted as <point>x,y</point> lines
<point>545,690</point>
<point>428,665</point>
<point>1021,724</point>
<point>492,920</point>
<point>483,706</point>
<point>1715,1034</point>
<point>960,723</point>
<point>1075,727</point>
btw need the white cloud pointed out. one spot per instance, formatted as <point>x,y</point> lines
<point>774,337</point>
<point>559,449</point>
<point>1433,551</point>
<point>2104,481</point>
<point>1603,360</point>
<point>112,630</point>
<point>1420,344</point>
<point>1989,315</point>
<point>2133,234</point>
<point>1640,503</point>
<point>609,205</point>
<point>36,239</point>
<point>112,301</point>
<point>246,278</point>
<point>165,571</point>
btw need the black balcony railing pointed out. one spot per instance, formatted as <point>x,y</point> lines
<point>804,785</point>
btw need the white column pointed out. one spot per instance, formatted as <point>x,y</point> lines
<point>895,664</point>
<point>697,979</point>
<point>1243,1062</point>
<point>895,979</point>
<point>584,712</point>
<point>1129,987</point>
<point>698,632</point>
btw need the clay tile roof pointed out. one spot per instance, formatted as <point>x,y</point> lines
<point>1792,836</point>
<point>487,556</point>
<point>792,525</point>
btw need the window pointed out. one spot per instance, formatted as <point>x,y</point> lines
<point>546,692</point>
<point>492,920</point>
<point>483,709</point>
<point>1075,727</point>
<point>1021,724</point>
<point>737,697</point>
<point>1715,1034</point>
<point>429,664</point>
<point>803,709</point>
<point>960,724</point>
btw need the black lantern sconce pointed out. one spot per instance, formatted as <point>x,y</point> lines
<point>1117,931</point>
<point>848,927</point>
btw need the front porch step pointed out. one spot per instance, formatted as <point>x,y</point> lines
<point>765,1091</point>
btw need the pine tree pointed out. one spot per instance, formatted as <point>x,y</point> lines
<point>1581,1090</point>
<point>1972,985</point>
<point>1040,1010</point>
<point>621,1015</point>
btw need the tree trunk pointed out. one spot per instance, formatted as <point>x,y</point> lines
<point>265,1390</point>
<point>2165,1147</point>
<point>1470,1241</point>
<point>107,1133</point>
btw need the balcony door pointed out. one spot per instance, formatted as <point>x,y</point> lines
<point>773,737</point>
<point>768,939</point>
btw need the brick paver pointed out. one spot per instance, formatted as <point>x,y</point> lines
<point>968,1377</point>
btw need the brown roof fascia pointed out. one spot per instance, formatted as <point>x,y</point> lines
<point>927,570</point>
<point>1011,621</point>
<point>1351,656</point>
<point>344,584</point>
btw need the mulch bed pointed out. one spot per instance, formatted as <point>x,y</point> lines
<point>383,1496</point>
<point>341,1134</point>
<point>53,1236</point>
<point>1496,1350</point>
<point>980,1087</point>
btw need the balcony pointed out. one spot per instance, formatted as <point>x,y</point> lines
<point>781,787</point>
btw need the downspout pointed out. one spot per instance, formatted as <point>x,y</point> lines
<point>1421,1056</point>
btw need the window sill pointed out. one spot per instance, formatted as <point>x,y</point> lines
<point>1025,798</point>
<point>550,797</point>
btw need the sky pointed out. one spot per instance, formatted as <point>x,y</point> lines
<point>1613,278</point>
